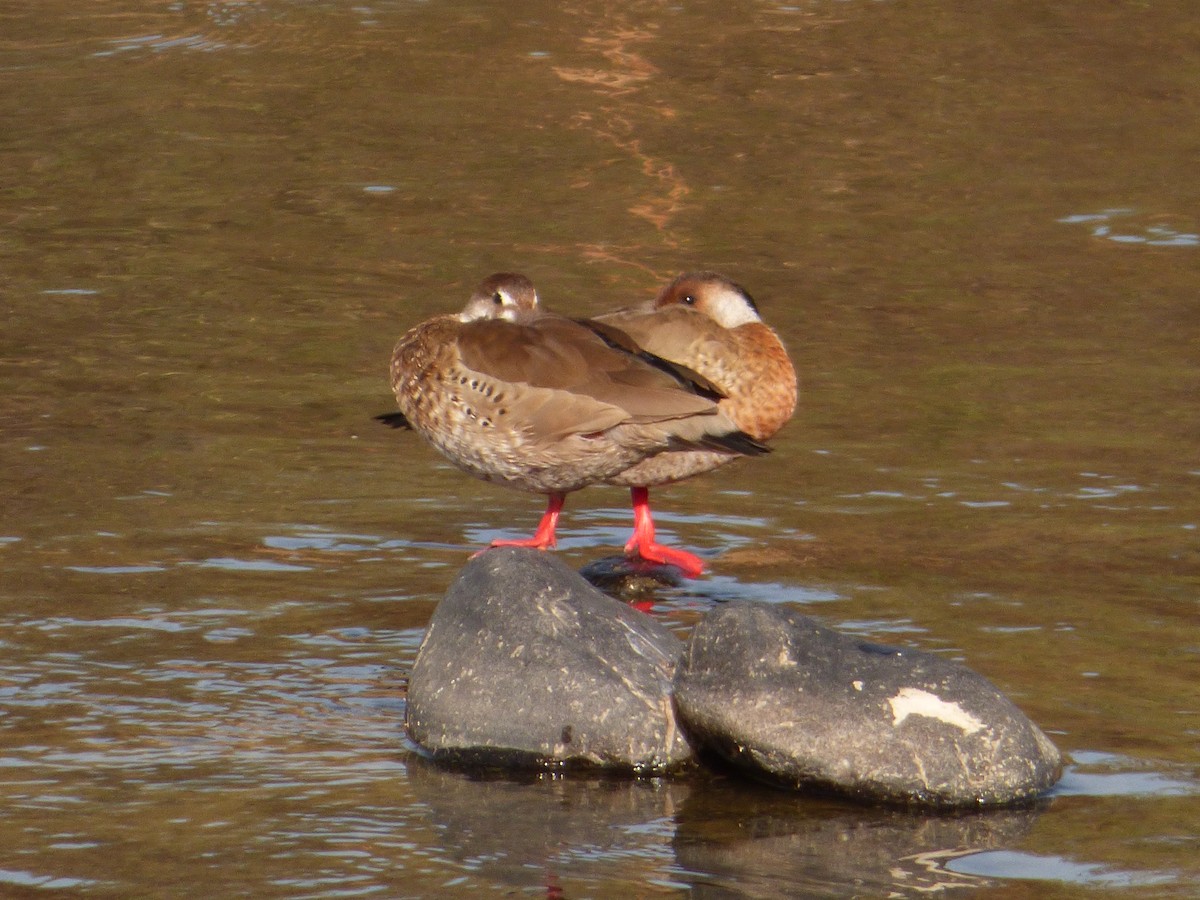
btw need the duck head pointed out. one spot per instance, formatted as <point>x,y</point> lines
<point>505,295</point>
<point>725,302</point>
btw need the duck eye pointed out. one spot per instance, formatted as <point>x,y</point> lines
<point>689,300</point>
<point>498,298</point>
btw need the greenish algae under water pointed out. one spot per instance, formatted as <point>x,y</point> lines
<point>976,227</point>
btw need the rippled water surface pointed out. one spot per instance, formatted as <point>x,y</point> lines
<point>975,225</point>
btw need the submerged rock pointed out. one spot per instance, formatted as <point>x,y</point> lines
<point>525,664</point>
<point>801,705</point>
<point>631,579</point>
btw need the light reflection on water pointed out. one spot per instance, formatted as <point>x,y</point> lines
<point>43,882</point>
<point>1034,867</point>
<point>1118,776</point>
<point>1125,226</point>
<point>161,43</point>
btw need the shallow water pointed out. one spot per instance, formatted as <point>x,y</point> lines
<point>975,225</point>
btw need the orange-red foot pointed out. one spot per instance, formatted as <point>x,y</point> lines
<point>691,565</point>
<point>643,544</point>
<point>543,538</point>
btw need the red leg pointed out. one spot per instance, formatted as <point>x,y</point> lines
<point>643,544</point>
<point>543,538</point>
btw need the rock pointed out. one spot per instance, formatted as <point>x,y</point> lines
<point>525,664</point>
<point>801,705</point>
<point>631,579</point>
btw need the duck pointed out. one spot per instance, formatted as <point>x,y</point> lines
<point>709,324</point>
<point>519,396</point>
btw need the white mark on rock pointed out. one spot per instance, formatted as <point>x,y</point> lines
<point>916,702</point>
<point>857,685</point>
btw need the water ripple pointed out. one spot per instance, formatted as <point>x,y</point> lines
<point>1120,776</point>
<point>159,43</point>
<point>1127,226</point>
<point>1037,867</point>
<point>19,878</point>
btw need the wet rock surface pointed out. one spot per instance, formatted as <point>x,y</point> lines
<point>525,664</point>
<point>800,705</point>
<point>631,579</point>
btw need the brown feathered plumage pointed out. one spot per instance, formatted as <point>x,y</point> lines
<point>709,324</point>
<point>519,396</point>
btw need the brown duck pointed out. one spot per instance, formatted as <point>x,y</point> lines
<point>522,397</point>
<point>711,325</point>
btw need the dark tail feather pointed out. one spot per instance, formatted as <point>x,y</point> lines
<point>394,420</point>
<point>740,442</point>
<point>734,442</point>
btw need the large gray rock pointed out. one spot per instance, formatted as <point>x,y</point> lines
<point>804,706</point>
<point>526,664</point>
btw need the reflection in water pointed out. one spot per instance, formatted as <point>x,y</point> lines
<point>1008,864</point>
<point>546,830</point>
<point>44,882</point>
<point>1116,776</point>
<point>1125,226</point>
<point>717,838</point>
<point>745,843</point>
<point>160,43</point>
<point>612,115</point>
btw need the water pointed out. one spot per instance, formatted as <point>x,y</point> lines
<point>974,225</point>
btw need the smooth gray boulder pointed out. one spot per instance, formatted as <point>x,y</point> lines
<point>525,664</point>
<point>800,705</point>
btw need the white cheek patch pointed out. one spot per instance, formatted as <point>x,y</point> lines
<point>915,702</point>
<point>730,309</point>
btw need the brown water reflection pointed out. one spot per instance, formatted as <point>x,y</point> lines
<point>974,224</point>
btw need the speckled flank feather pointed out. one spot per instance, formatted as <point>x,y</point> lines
<point>526,398</point>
